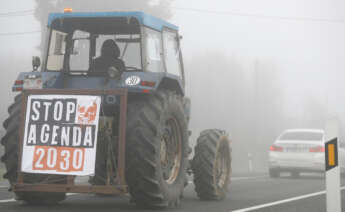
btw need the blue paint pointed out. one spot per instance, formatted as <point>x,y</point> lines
<point>58,81</point>
<point>144,19</point>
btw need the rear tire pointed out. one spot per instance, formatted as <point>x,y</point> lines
<point>211,165</point>
<point>274,173</point>
<point>156,123</point>
<point>10,158</point>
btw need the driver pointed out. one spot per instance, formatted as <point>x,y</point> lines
<point>110,54</point>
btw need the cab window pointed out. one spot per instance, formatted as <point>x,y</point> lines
<point>172,53</point>
<point>80,45</point>
<point>79,59</point>
<point>129,46</point>
<point>57,49</point>
<point>154,51</point>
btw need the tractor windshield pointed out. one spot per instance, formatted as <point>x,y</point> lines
<point>94,45</point>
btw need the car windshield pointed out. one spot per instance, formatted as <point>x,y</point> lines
<point>306,136</point>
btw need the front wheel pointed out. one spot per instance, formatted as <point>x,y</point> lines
<point>211,165</point>
<point>274,173</point>
<point>295,174</point>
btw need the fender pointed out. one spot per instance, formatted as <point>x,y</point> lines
<point>160,80</point>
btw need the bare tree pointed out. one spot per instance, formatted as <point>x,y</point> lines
<point>247,102</point>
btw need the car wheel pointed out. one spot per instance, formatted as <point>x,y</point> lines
<point>342,174</point>
<point>274,173</point>
<point>295,174</point>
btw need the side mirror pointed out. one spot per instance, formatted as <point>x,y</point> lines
<point>36,63</point>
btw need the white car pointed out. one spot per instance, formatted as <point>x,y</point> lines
<point>300,150</point>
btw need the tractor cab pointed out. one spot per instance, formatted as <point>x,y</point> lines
<point>110,50</point>
<point>91,43</point>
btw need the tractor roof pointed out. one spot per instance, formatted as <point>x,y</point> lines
<point>143,19</point>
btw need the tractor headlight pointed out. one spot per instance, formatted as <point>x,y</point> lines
<point>114,72</point>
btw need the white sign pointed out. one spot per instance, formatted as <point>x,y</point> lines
<point>60,135</point>
<point>133,80</point>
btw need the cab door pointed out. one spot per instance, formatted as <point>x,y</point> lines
<point>172,53</point>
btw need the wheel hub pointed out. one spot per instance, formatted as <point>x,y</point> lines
<point>171,151</point>
<point>221,168</point>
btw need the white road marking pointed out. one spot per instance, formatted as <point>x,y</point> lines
<point>7,200</point>
<point>13,200</point>
<point>241,178</point>
<point>283,201</point>
<point>247,178</point>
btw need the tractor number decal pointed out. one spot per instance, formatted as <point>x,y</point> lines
<point>60,135</point>
<point>133,80</point>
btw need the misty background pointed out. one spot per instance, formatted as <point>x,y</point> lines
<point>253,68</point>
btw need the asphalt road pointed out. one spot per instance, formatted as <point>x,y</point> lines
<point>244,193</point>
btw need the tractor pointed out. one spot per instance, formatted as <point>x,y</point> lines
<point>108,102</point>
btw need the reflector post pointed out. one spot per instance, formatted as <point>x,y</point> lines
<point>331,156</point>
<point>333,195</point>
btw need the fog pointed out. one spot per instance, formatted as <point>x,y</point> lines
<point>253,68</point>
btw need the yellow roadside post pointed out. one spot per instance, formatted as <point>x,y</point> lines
<point>333,200</point>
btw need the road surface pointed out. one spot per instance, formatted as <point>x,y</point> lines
<point>254,193</point>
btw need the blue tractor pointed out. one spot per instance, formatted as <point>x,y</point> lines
<point>140,55</point>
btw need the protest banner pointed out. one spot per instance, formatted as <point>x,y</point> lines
<point>60,134</point>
